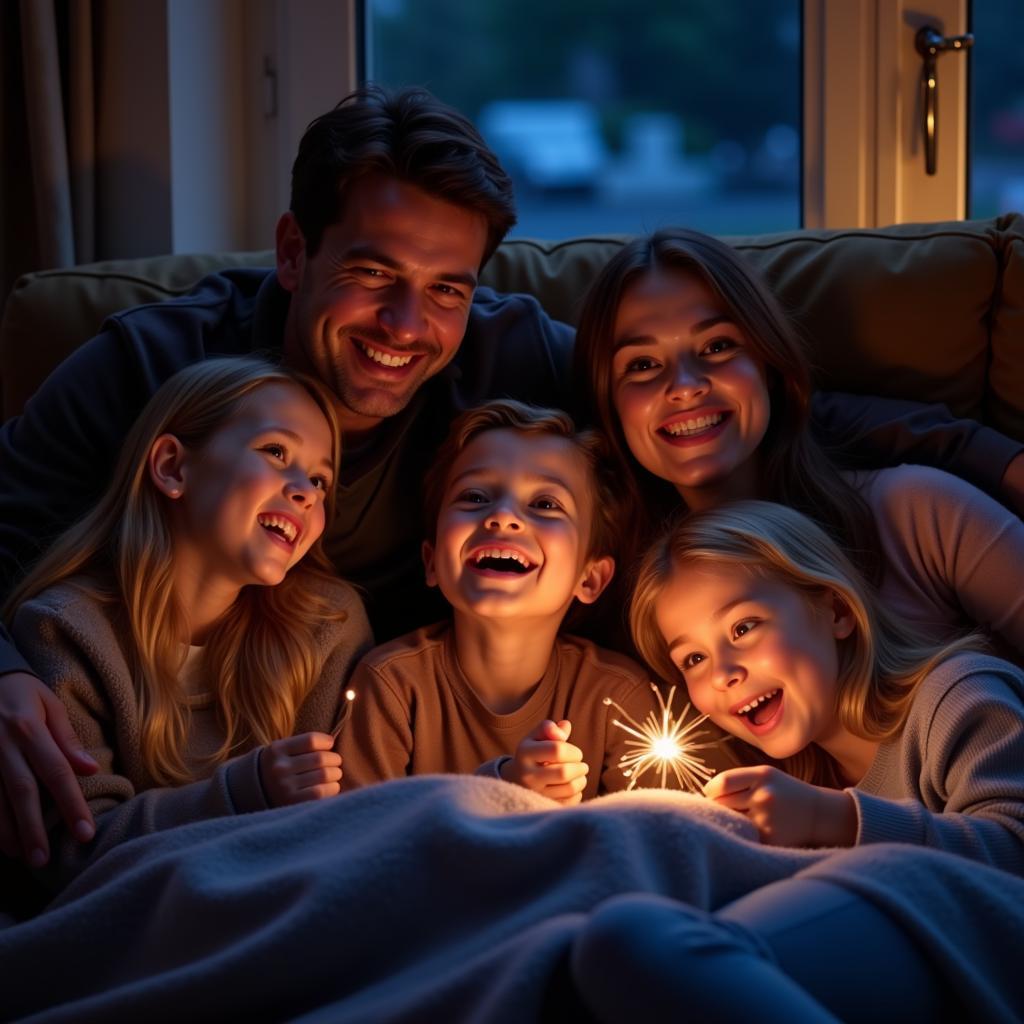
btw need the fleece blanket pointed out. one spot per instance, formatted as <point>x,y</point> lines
<point>427,899</point>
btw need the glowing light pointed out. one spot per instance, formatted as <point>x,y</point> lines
<point>346,708</point>
<point>664,743</point>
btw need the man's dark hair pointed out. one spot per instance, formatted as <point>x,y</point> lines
<point>409,135</point>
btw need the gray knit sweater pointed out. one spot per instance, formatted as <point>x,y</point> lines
<point>954,778</point>
<point>71,640</point>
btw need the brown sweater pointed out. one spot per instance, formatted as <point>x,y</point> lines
<point>73,642</point>
<point>416,713</point>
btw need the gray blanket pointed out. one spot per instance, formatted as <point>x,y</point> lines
<point>430,899</point>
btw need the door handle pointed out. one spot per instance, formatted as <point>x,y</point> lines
<point>929,42</point>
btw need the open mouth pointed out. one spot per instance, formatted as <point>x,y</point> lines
<point>761,711</point>
<point>694,427</point>
<point>504,561</point>
<point>385,360</point>
<point>281,528</point>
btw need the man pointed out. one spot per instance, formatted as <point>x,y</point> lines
<point>396,204</point>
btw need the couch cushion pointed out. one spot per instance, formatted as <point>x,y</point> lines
<point>914,310</point>
<point>49,313</point>
<point>1005,399</point>
<point>902,311</point>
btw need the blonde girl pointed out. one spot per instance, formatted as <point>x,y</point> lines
<point>880,736</point>
<point>190,623</point>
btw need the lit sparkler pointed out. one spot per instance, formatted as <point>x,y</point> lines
<point>346,709</point>
<point>664,743</point>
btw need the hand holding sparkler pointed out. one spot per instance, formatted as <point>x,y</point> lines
<point>663,742</point>
<point>346,710</point>
<point>546,763</point>
<point>299,768</point>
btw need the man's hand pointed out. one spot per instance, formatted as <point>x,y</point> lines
<point>1012,487</point>
<point>786,811</point>
<point>37,742</point>
<point>547,764</point>
<point>300,768</point>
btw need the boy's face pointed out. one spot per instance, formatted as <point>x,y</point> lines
<point>514,529</point>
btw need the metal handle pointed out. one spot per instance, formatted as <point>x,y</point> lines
<point>930,43</point>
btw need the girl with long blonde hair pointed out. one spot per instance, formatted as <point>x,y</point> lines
<point>879,734</point>
<point>191,623</point>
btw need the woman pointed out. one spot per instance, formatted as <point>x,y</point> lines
<point>703,389</point>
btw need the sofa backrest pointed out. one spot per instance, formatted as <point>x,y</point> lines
<point>927,311</point>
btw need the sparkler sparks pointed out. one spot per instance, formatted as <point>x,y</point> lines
<point>346,708</point>
<point>664,743</point>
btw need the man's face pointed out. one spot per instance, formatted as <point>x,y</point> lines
<point>383,304</point>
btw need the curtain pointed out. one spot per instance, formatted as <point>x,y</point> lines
<point>48,126</point>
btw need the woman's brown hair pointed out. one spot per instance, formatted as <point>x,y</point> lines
<point>794,469</point>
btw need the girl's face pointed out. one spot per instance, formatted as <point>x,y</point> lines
<point>251,500</point>
<point>688,390</point>
<point>758,656</point>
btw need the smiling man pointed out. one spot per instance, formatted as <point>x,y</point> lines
<point>396,205</point>
<point>383,305</point>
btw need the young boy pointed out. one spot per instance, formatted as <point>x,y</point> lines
<point>523,525</point>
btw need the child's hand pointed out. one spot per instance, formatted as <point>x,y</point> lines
<point>299,768</point>
<point>786,811</point>
<point>547,764</point>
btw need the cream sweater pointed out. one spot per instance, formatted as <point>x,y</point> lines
<point>953,557</point>
<point>954,777</point>
<point>74,643</point>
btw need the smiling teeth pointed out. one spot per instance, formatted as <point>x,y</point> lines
<point>384,358</point>
<point>684,427</point>
<point>501,553</point>
<point>747,708</point>
<point>283,526</point>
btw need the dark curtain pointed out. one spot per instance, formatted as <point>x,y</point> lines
<point>48,132</point>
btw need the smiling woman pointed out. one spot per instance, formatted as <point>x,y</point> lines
<point>704,391</point>
<point>689,389</point>
<point>195,606</point>
<point>677,328</point>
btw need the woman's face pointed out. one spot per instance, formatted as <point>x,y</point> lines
<point>688,390</point>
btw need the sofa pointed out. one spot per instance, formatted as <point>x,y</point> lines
<point>933,312</point>
<point>927,311</point>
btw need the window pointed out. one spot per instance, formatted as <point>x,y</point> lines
<point>997,108</point>
<point>612,118</point>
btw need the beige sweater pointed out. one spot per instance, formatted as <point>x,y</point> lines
<point>953,557</point>
<point>416,713</point>
<point>71,640</point>
<point>954,777</point>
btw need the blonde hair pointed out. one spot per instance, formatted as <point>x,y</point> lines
<point>262,652</point>
<point>881,663</point>
<point>506,414</point>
